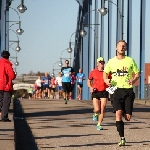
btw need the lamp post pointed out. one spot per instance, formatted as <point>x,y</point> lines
<point>95,45</point>
<point>22,8</point>
<point>70,49</point>
<point>60,63</point>
<point>54,65</point>
<point>70,43</point>
<point>104,11</point>
<point>17,48</point>
<point>16,63</point>
<point>15,70</point>
<point>83,33</point>
<point>13,49</point>
<point>53,72</point>
<point>19,30</point>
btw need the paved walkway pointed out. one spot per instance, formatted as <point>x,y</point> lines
<point>7,133</point>
<point>56,126</point>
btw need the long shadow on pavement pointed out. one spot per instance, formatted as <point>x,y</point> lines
<point>24,139</point>
<point>58,113</point>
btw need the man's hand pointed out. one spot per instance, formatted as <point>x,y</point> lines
<point>130,82</point>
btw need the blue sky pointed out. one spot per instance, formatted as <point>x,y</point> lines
<point>47,29</point>
<point>48,26</point>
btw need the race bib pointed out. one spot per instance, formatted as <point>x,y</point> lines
<point>66,74</point>
<point>111,89</point>
<point>80,80</point>
<point>46,81</point>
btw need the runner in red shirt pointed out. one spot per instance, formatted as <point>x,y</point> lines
<point>98,90</point>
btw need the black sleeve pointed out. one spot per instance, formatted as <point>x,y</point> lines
<point>72,70</point>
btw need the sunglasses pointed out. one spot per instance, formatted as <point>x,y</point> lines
<point>102,62</point>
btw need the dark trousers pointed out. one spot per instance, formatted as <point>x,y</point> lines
<point>5,99</point>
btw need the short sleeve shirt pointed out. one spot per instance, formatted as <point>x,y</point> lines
<point>98,81</point>
<point>66,73</point>
<point>121,71</point>
<point>46,80</point>
<point>59,80</point>
<point>80,77</point>
<point>38,82</point>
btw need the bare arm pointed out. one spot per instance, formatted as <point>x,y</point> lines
<point>89,84</point>
<point>135,78</point>
<point>106,80</point>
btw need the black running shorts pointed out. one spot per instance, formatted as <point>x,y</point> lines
<point>123,100</point>
<point>66,87</point>
<point>81,85</point>
<point>100,94</point>
<point>45,87</point>
<point>72,87</point>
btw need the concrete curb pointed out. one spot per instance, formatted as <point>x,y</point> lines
<point>142,101</point>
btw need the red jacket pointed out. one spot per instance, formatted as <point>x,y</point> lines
<point>6,75</point>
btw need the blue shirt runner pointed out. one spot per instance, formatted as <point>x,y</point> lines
<point>80,77</point>
<point>66,74</point>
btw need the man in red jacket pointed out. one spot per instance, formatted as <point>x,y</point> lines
<point>6,86</point>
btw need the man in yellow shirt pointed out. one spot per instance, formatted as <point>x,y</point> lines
<point>122,68</point>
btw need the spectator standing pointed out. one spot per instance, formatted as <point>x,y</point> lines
<point>7,74</point>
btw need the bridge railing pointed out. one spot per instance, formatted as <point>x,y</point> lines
<point>22,86</point>
<point>146,92</point>
<point>30,79</point>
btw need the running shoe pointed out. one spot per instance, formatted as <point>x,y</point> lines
<point>95,117</point>
<point>122,142</point>
<point>66,101</point>
<point>99,127</point>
